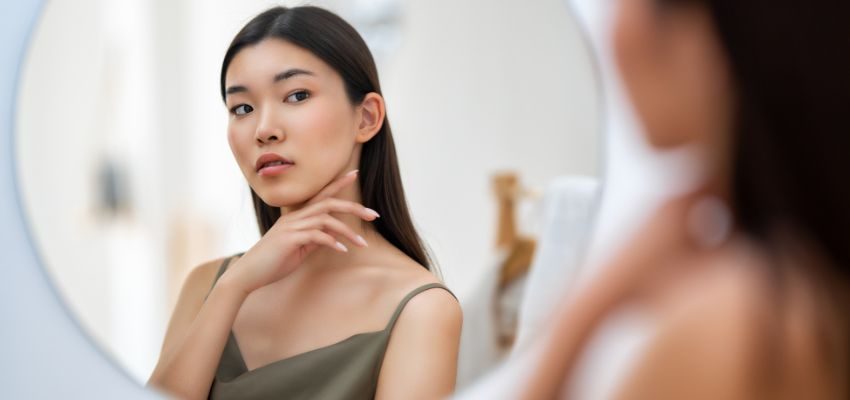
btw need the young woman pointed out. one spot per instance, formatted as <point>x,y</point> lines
<point>760,307</point>
<point>333,301</point>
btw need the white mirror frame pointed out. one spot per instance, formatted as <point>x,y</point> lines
<point>46,352</point>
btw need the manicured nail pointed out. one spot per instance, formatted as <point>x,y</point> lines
<point>341,247</point>
<point>373,212</point>
<point>362,241</point>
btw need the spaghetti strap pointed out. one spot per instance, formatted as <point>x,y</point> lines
<point>221,270</point>
<point>387,332</point>
<point>348,369</point>
<point>409,296</point>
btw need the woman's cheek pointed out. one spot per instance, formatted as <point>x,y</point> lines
<point>237,143</point>
<point>315,120</point>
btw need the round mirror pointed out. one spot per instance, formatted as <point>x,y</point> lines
<point>128,182</point>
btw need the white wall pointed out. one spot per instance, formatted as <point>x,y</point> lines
<point>480,86</point>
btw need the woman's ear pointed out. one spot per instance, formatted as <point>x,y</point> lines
<point>370,115</point>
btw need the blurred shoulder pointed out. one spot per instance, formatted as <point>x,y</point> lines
<point>736,326</point>
<point>709,331</point>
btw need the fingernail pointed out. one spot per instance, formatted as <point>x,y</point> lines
<point>353,172</point>
<point>362,241</point>
<point>341,247</point>
<point>373,212</point>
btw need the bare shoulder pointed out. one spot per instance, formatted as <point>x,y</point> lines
<point>195,287</point>
<point>393,273</point>
<point>709,327</point>
<point>200,278</point>
<point>401,276</point>
<point>737,327</point>
<point>433,310</point>
<point>422,352</point>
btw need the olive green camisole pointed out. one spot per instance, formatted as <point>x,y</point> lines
<point>344,370</point>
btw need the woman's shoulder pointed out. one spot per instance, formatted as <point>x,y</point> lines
<point>193,292</point>
<point>404,275</point>
<point>422,303</point>
<point>430,303</point>
<point>200,278</point>
<point>398,282</point>
<point>704,319</point>
<point>425,327</point>
<point>724,325</point>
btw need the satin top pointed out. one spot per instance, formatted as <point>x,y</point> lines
<point>347,369</point>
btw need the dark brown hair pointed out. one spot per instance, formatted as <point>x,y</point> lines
<point>791,139</point>
<point>338,44</point>
<point>790,67</point>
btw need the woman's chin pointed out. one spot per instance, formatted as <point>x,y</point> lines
<point>285,200</point>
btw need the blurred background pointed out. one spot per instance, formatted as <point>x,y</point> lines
<point>128,181</point>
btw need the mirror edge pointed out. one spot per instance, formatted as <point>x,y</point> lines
<point>46,343</point>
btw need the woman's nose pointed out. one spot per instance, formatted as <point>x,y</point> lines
<point>265,136</point>
<point>268,131</point>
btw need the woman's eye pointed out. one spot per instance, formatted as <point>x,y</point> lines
<point>298,97</point>
<point>242,109</point>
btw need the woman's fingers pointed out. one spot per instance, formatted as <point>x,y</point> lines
<point>316,236</point>
<point>337,206</point>
<point>334,187</point>
<point>328,223</point>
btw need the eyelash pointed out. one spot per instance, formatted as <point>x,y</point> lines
<point>233,110</point>
<point>304,92</point>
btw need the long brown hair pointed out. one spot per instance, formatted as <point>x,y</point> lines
<point>338,44</point>
<point>791,139</point>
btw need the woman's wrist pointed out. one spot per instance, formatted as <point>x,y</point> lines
<point>230,287</point>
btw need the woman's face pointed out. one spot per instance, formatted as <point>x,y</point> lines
<point>284,100</point>
<point>675,73</point>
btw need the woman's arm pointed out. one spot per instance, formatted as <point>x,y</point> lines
<point>421,357</point>
<point>196,334</point>
<point>192,350</point>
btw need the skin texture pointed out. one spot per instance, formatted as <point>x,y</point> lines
<point>719,332</point>
<point>321,273</point>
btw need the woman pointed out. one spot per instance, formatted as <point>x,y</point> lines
<point>333,300</point>
<point>746,278</point>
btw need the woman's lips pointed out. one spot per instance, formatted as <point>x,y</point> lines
<point>274,169</point>
<point>270,158</point>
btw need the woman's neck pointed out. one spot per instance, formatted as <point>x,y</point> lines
<point>324,257</point>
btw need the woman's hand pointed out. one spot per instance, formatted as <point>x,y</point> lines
<point>295,235</point>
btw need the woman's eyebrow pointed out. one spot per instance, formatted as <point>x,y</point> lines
<point>290,73</point>
<point>277,78</point>
<point>235,89</point>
